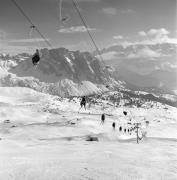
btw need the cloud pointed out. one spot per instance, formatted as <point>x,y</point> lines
<point>124,44</point>
<point>109,11</point>
<point>127,11</point>
<point>113,11</point>
<point>14,47</point>
<point>75,29</point>
<point>13,50</point>
<point>82,46</point>
<point>158,35</point>
<point>142,33</point>
<point>154,36</point>
<point>32,40</point>
<point>145,53</point>
<point>146,38</point>
<point>158,32</point>
<point>118,37</point>
<point>168,65</point>
<point>154,33</point>
<point>109,55</point>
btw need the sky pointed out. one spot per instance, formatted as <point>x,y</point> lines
<point>109,21</point>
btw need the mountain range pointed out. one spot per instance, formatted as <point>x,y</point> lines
<point>144,66</point>
<point>60,72</point>
<point>73,73</point>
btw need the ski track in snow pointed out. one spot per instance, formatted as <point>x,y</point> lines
<point>46,139</point>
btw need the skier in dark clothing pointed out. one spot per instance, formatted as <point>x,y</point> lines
<point>36,57</point>
<point>120,128</point>
<point>102,118</point>
<point>83,102</point>
<point>114,125</point>
<point>125,113</point>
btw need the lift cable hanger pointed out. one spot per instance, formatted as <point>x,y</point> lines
<point>87,28</point>
<point>32,24</point>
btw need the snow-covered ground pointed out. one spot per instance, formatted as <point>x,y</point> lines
<point>45,139</point>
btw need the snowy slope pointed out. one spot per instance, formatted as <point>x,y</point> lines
<point>18,99</point>
<point>45,138</point>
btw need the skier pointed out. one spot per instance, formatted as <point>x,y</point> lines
<point>120,128</point>
<point>114,125</point>
<point>125,113</point>
<point>83,102</point>
<point>36,58</point>
<point>102,118</point>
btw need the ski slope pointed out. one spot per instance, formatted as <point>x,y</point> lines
<point>46,138</point>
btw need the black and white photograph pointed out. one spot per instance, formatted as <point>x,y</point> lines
<point>88,90</point>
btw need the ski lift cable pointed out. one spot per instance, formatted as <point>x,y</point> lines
<point>32,24</point>
<point>89,33</point>
<point>45,39</point>
<point>87,29</point>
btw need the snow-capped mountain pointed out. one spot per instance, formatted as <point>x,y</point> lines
<point>61,64</point>
<point>60,72</point>
<point>73,73</point>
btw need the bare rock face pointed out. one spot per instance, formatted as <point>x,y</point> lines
<point>60,72</point>
<point>64,64</point>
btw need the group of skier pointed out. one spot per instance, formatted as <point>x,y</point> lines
<point>125,130</point>
<point>103,118</point>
